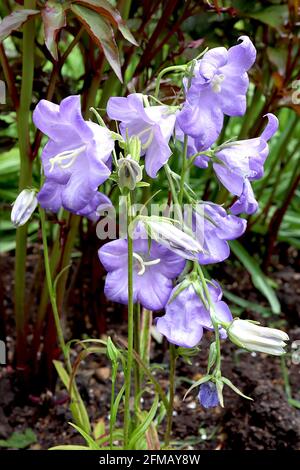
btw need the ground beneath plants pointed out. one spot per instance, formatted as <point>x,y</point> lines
<point>267,422</point>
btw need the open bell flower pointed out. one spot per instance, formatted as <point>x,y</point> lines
<point>258,338</point>
<point>76,157</point>
<point>218,86</point>
<point>51,198</point>
<point>153,272</point>
<point>153,125</point>
<point>186,316</point>
<point>238,163</point>
<point>213,228</point>
<point>23,207</point>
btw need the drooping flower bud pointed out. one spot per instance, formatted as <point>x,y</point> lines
<point>208,395</point>
<point>130,173</point>
<point>165,232</point>
<point>23,207</point>
<point>254,337</point>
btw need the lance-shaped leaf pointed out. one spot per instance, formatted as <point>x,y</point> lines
<point>54,18</point>
<point>112,14</point>
<point>101,32</point>
<point>14,21</point>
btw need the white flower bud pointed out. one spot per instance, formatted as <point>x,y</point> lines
<point>23,207</point>
<point>254,337</point>
<point>166,233</point>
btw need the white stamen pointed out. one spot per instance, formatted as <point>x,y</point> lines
<point>216,82</point>
<point>68,156</point>
<point>144,264</point>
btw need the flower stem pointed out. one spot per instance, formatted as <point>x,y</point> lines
<point>51,290</point>
<point>213,318</point>
<point>112,401</point>
<point>173,356</point>
<point>172,68</point>
<point>137,329</point>
<point>183,169</point>
<point>130,326</point>
<point>23,115</point>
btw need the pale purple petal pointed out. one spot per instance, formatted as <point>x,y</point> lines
<point>246,202</point>
<point>153,289</point>
<point>49,196</point>
<point>208,395</point>
<point>181,323</point>
<point>113,255</point>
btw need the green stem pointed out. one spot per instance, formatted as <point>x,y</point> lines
<point>213,317</point>
<point>130,327</point>
<point>137,329</point>
<point>51,290</point>
<point>112,401</point>
<point>285,375</point>
<point>183,169</point>
<point>146,334</point>
<point>173,356</point>
<point>23,117</point>
<point>172,68</point>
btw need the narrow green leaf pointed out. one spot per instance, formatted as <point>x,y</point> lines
<point>204,379</point>
<point>234,388</point>
<point>89,440</point>
<point>142,428</point>
<point>259,279</point>
<point>70,447</point>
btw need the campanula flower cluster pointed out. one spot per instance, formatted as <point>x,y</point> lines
<point>166,254</point>
<point>76,158</point>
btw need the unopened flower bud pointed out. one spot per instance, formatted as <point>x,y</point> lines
<point>23,207</point>
<point>208,395</point>
<point>254,337</point>
<point>130,173</point>
<point>166,233</point>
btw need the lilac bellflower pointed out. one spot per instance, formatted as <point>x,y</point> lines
<point>153,125</point>
<point>75,159</point>
<point>153,272</point>
<point>214,227</point>
<point>238,163</point>
<point>186,316</point>
<point>208,395</point>
<point>218,86</point>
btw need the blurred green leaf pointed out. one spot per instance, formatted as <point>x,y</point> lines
<point>259,279</point>
<point>19,440</point>
<point>274,16</point>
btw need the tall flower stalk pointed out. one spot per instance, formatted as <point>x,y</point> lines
<point>129,363</point>
<point>23,123</point>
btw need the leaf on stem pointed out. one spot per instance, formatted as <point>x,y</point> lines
<point>14,21</point>
<point>54,18</point>
<point>102,34</point>
<point>259,279</point>
<point>104,8</point>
